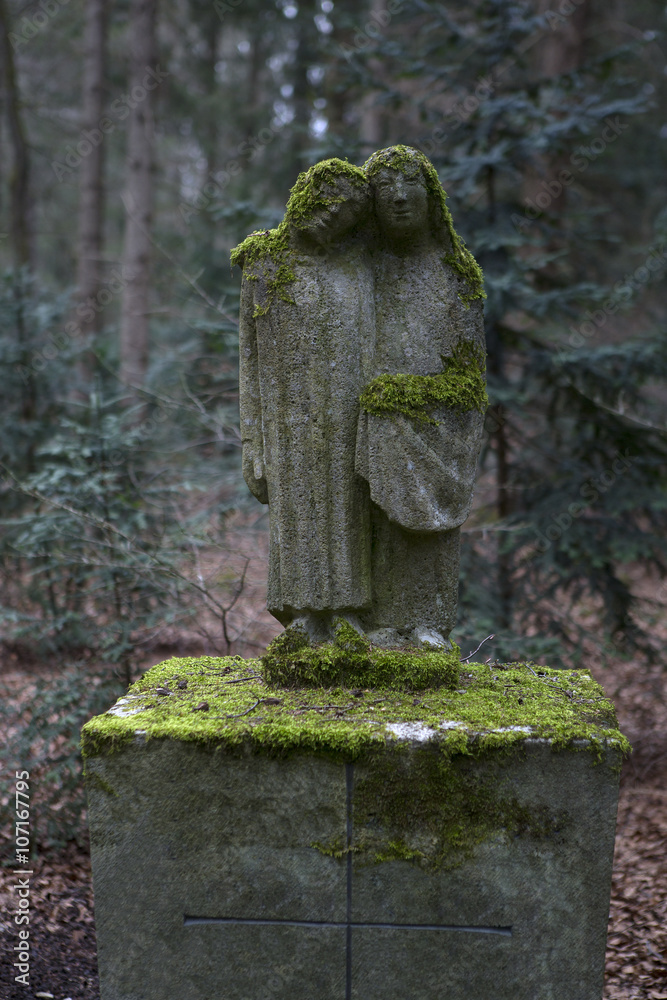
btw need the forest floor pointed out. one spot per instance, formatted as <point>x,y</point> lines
<point>62,928</point>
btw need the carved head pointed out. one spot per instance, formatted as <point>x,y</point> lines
<point>409,199</point>
<point>329,200</point>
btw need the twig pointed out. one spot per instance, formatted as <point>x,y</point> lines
<point>252,707</point>
<point>242,680</point>
<point>323,708</point>
<point>465,660</point>
<point>217,307</point>
<point>547,680</point>
<point>105,525</point>
<point>227,608</point>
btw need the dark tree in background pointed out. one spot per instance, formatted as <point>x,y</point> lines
<point>139,194</point>
<point>91,198</point>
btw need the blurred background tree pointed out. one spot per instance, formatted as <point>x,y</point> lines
<point>144,140</point>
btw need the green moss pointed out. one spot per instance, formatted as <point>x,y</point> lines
<point>494,708</point>
<point>350,661</point>
<point>405,159</point>
<point>433,809</point>
<point>433,776</point>
<point>334,849</point>
<point>461,386</point>
<point>270,249</point>
<point>309,193</point>
<point>92,778</point>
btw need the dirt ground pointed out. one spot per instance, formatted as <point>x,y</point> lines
<point>63,948</point>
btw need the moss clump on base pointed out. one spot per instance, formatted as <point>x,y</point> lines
<point>460,386</point>
<point>270,248</point>
<point>406,160</point>
<point>350,661</point>
<point>494,708</point>
<point>434,773</point>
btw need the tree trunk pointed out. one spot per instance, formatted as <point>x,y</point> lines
<point>138,197</point>
<point>19,209</point>
<point>371,118</point>
<point>562,50</point>
<point>304,91</point>
<point>20,230</point>
<point>91,196</point>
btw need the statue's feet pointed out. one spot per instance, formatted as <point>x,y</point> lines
<point>430,638</point>
<point>387,638</point>
<point>352,620</point>
<point>316,626</point>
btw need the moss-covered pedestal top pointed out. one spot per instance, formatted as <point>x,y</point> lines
<point>226,702</point>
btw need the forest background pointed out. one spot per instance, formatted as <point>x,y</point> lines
<point>141,142</point>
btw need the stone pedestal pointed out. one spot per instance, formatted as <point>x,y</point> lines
<point>391,858</point>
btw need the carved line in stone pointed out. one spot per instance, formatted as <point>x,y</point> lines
<point>192,921</point>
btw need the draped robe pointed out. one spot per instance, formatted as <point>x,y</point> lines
<point>302,367</point>
<point>420,476</point>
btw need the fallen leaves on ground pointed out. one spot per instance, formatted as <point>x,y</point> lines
<point>637,941</point>
<point>63,949</point>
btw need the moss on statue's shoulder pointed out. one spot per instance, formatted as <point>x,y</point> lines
<point>460,386</point>
<point>227,702</point>
<point>268,251</point>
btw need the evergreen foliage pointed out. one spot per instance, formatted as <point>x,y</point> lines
<point>576,448</point>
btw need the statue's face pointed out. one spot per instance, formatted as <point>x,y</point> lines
<point>401,203</point>
<point>329,223</point>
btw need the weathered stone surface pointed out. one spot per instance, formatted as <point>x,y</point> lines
<point>189,835</point>
<point>303,365</point>
<point>272,854</point>
<point>365,506</point>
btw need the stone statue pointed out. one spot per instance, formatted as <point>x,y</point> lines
<point>306,326</point>
<point>421,472</point>
<point>362,398</point>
